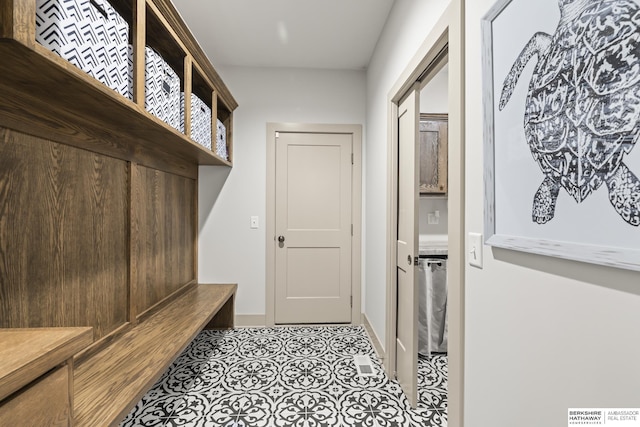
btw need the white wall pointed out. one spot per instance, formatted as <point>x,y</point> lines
<point>542,334</point>
<point>228,250</point>
<point>434,96</point>
<point>431,205</point>
<point>408,25</point>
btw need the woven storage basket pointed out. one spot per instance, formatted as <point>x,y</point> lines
<point>90,34</point>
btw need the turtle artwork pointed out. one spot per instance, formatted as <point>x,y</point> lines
<point>582,111</point>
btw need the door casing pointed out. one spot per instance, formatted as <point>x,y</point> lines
<point>449,30</point>
<point>356,210</point>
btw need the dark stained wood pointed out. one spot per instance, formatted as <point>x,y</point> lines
<point>188,83</point>
<point>44,403</point>
<point>99,345</point>
<point>228,123</point>
<point>433,153</point>
<point>98,219</point>
<point>64,228</point>
<point>17,21</point>
<point>67,105</point>
<point>168,10</point>
<point>135,193</point>
<point>162,39</point>
<point>26,354</point>
<point>164,302</point>
<point>139,42</point>
<point>70,389</point>
<point>200,86</point>
<point>163,222</point>
<point>225,319</point>
<point>196,222</point>
<point>214,119</point>
<point>113,381</point>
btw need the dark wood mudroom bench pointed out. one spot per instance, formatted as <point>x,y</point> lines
<point>110,382</point>
<point>99,279</point>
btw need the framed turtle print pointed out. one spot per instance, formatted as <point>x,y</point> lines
<point>561,90</point>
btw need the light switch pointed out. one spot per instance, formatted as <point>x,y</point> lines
<point>254,222</point>
<point>475,249</point>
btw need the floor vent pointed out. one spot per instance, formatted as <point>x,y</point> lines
<point>364,366</point>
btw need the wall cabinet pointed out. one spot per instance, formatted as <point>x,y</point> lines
<point>433,153</point>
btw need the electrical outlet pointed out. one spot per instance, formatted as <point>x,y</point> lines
<point>475,249</point>
<point>254,222</point>
<point>433,217</point>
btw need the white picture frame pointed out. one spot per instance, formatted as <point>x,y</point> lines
<point>590,230</point>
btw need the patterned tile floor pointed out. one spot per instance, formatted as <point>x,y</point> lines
<point>287,376</point>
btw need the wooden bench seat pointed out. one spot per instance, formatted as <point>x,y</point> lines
<point>109,383</point>
<point>36,378</point>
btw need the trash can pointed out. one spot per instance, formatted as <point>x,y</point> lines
<point>432,307</point>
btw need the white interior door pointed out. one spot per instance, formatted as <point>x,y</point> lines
<point>407,317</point>
<point>313,228</point>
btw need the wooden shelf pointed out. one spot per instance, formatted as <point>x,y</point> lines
<point>44,95</point>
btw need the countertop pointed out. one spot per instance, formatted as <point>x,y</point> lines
<point>433,245</point>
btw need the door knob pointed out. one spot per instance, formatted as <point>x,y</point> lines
<point>281,239</point>
<point>409,259</point>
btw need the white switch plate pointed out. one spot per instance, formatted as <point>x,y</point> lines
<point>475,249</point>
<point>254,222</point>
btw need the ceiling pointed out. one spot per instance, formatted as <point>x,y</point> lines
<point>328,34</point>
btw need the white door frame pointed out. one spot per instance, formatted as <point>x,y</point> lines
<point>356,210</point>
<point>449,30</point>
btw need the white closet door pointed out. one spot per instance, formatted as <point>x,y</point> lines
<point>408,196</point>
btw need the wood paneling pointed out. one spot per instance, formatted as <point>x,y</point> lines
<point>162,230</point>
<point>121,374</point>
<point>63,236</point>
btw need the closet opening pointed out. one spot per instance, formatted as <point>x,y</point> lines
<point>426,217</point>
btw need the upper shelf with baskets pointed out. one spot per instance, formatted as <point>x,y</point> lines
<point>121,77</point>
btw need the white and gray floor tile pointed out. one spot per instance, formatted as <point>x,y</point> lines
<point>287,376</point>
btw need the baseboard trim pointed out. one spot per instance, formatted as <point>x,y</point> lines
<point>374,338</point>
<point>250,320</point>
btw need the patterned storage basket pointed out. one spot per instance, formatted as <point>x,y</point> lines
<point>200,120</point>
<point>162,87</point>
<point>221,141</point>
<point>88,33</point>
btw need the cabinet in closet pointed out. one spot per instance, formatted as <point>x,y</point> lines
<point>433,153</point>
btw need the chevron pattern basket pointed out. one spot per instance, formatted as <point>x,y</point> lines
<point>162,94</point>
<point>88,33</point>
<point>200,120</point>
<point>162,87</point>
<point>221,141</point>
